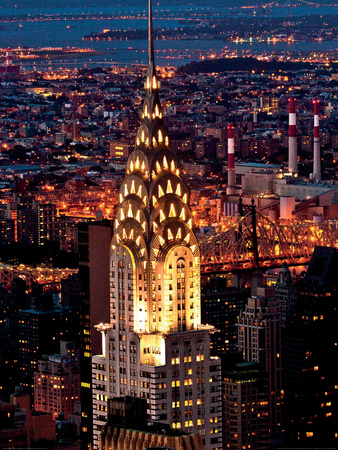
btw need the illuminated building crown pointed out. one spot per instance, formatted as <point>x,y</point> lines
<point>154,222</point>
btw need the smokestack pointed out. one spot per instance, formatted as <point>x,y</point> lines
<point>9,60</point>
<point>316,143</point>
<point>231,161</point>
<point>293,165</point>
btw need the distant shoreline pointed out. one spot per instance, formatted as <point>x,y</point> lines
<point>118,35</point>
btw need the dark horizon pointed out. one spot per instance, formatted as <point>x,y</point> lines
<point>106,3</point>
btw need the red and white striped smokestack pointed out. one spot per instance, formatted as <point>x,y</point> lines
<point>231,161</point>
<point>316,118</point>
<point>316,143</point>
<point>293,165</point>
<point>231,148</point>
<point>9,60</point>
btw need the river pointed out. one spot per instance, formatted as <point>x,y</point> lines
<point>69,32</point>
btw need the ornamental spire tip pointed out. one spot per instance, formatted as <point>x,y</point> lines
<point>150,35</point>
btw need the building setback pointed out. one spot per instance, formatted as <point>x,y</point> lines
<point>128,427</point>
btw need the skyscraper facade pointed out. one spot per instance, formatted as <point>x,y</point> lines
<point>39,332</point>
<point>220,306</point>
<point>154,346</point>
<point>310,353</point>
<point>245,406</point>
<point>285,292</point>
<point>259,340</point>
<point>57,381</point>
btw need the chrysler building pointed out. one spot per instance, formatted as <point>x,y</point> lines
<point>154,345</point>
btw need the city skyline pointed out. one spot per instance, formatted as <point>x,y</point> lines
<point>197,209</point>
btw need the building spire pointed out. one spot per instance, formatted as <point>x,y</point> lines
<point>152,133</point>
<point>151,58</point>
<point>151,53</point>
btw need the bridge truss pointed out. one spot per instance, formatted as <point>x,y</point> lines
<point>49,278</point>
<point>255,241</point>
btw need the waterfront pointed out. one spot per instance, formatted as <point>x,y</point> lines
<point>66,27</point>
